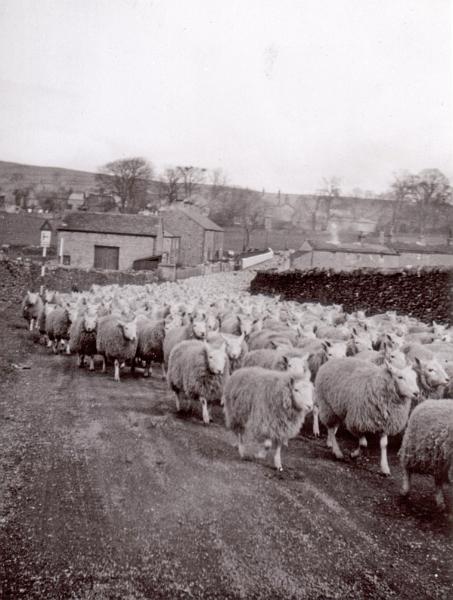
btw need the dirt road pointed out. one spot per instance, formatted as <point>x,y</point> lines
<point>106,493</point>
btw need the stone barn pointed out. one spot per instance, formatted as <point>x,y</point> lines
<point>201,239</point>
<point>108,241</point>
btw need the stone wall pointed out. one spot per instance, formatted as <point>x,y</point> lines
<point>422,293</point>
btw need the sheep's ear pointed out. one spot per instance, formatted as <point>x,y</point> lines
<point>418,362</point>
<point>274,345</point>
<point>285,360</point>
<point>292,380</point>
<point>354,331</point>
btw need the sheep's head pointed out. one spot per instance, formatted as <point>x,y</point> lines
<point>199,329</point>
<point>405,380</point>
<point>335,350</point>
<point>216,357</point>
<point>32,298</point>
<point>245,324</point>
<point>233,345</point>
<point>89,323</point>
<point>212,323</point>
<point>395,357</point>
<point>361,341</point>
<point>302,393</point>
<point>129,330</point>
<point>296,364</point>
<point>432,371</point>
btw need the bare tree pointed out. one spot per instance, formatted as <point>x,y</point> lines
<point>129,178</point>
<point>191,179</point>
<point>428,190</point>
<point>170,186</point>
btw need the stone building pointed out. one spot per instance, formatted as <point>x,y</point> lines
<point>109,241</point>
<point>200,238</point>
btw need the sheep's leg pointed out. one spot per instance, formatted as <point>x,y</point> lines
<point>241,447</point>
<point>68,350</point>
<point>31,324</point>
<point>103,370</point>
<point>148,370</point>
<point>333,440</point>
<point>177,401</point>
<point>406,485</point>
<point>205,411</point>
<point>329,442</point>
<point>79,360</point>
<point>278,457</point>
<point>116,376</point>
<point>362,444</point>
<point>316,421</point>
<point>164,374</point>
<point>91,363</point>
<point>385,469</point>
<point>55,347</point>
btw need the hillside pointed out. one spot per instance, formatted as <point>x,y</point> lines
<point>44,178</point>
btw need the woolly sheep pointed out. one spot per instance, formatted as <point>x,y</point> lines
<point>293,360</point>
<point>367,399</point>
<point>236,347</point>
<point>427,446</point>
<point>431,375</point>
<point>57,327</point>
<point>32,306</point>
<point>116,340</point>
<point>197,371</point>
<point>195,330</point>
<point>82,338</point>
<point>268,407</point>
<point>150,339</point>
<point>238,324</point>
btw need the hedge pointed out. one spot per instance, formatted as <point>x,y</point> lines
<point>422,293</point>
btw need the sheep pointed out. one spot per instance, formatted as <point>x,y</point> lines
<point>82,338</point>
<point>32,306</point>
<point>193,330</point>
<point>236,348</point>
<point>57,327</point>
<point>431,375</point>
<point>293,360</point>
<point>116,340</point>
<point>358,342</point>
<point>238,324</point>
<point>270,338</point>
<point>268,407</point>
<point>427,446</point>
<point>197,371</point>
<point>150,336</point>
<point>365,397</point>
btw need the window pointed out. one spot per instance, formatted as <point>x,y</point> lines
<point>66,259</point>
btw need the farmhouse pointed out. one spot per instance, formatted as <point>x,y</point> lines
<point>343,256</point>
<point>22,229</point>
<point>201,238</point>
<point>420,255</point>
<point>109,241</point>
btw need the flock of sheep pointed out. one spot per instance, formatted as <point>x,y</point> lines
<point>269,363</point>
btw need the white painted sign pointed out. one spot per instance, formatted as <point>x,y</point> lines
<point>45,238</point>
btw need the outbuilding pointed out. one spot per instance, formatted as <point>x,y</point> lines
<point>108,241</point>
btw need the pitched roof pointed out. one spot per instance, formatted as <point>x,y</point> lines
<point>138,225</point>
<point>358,248</point>
<point>22,229</point>
<point>203,221</point>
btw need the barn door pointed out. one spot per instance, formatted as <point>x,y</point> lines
<point>106,257</point>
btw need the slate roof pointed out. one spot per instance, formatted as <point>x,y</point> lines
<point>401,247</point>
<point>203,221</point>
<point>137,225</point>
<point>22,229</point>
<point>352,248</point>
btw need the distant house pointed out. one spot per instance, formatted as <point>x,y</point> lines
<point>420,255</point>
<point>343,256</point>
<point>109,241</point>
<point>76,200</point>
<point>100,203</point>
<point>200,238</point>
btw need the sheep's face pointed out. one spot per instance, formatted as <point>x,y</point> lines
<point>171,322</point>
<point>405,381</point>
<point>296,364</point>
<point>216,356</point>
<point>129,330</point>
<point>302,394</point>
<point>246,324</point>
<point>89,323</point>
<point>233,345</point>
<point>32,298</point>
<point>433,372</point>
<point>362,342</point>
<point>337,350</point>
<point>212,323</point>
<point>396,358</point>
<point>199,329</point>
<point>49,296</point>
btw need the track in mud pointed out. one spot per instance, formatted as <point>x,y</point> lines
<point>107,493</point>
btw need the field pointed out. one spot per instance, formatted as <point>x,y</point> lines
<point>106,493</point>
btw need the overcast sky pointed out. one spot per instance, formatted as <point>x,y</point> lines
<point>277,93</point>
